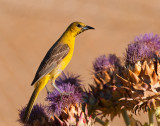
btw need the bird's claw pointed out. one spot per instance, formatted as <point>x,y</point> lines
<point>65,93</point>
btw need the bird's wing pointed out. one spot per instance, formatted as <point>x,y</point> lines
<point>53,57</point>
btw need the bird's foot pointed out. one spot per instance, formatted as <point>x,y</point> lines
<point>62,94</point>
<point>65,93</point>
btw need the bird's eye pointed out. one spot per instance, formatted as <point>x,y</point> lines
<point>79,26</point>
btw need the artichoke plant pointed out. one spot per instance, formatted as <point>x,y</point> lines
<point>104,95</point>
<point>120,85</point>
<point>64,109</point>
<point>142,74</point>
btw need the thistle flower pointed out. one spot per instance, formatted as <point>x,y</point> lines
<point>105,93</point>
<point>138,52</point>
<point>143,48</point>
<point>58,102</point>
<point>38,116</point>
<point>101,63</point>
<point>106,69</point>
<point>142,74</point>
<point>69,78</point>
<point>67,107</point>
<point>104,63</point>
<point>72,95</point>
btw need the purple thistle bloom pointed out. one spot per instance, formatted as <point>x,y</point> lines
<point>37,113</point>
<point>138,52</point>
<point>150,40</point>
<point>103,62</point>
<point>143,48</point>
<point>72,79</point>
<point>69,85</point>
<point>58,101</point>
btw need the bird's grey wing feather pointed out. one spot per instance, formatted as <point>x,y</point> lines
<point>53,57</point>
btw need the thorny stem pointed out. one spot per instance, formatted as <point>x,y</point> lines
<point>150,115</point>
<point>157,113</point>
<point>125,117</point>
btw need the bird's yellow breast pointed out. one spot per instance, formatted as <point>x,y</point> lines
<point>70,41</point>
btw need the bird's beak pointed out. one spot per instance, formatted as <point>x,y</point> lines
<point>87,28</point>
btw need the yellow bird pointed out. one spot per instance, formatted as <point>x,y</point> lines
<point>55,61</point>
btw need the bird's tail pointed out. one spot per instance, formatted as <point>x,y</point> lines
<point>35,93</point>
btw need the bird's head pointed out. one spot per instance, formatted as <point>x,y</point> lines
<point>78,27</point>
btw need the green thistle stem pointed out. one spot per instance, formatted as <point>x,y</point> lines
<point>100,121</point>
<point>150,115</point>
<point>125,117</point>
<point>157,113</point>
